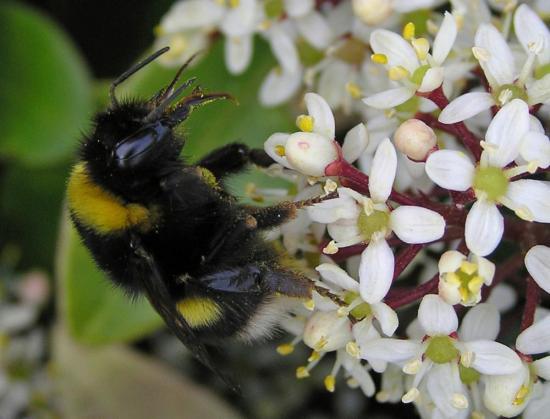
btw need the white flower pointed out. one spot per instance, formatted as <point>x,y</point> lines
<point>461,279</point>
<point>409,64</point>
<point>312,149</point>
<point>529,199</point>
<point>187,24</point>
<point>496,59</point>
<point>355,218</point>
<point>444,361</point>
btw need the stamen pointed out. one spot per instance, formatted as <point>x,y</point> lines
<point>354,90</point>
<point>304,123</point>
<point>459,401</point>
<point>379,58</point>
<point>398,73</point>
<point>330,383</point>
<point>285,349</point>
<point>331,248</point>
<point>411,395</point>
<point>309,305</point>
<point>353,349</point>
<point>280,150</point>
<point>409,31</point>
<point>412,367</point>
<point>481,54</point>
<point>302,372</point>
<point>421,47</point>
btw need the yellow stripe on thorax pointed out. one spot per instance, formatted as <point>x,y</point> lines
<point>99,209</point>
<point>199,311</point>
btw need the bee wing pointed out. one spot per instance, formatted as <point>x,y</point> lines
<point>158,295</point>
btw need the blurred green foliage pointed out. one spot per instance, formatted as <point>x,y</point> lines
<point>47,100</point>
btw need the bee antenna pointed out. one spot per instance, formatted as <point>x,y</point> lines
<point>159,109</point>
<point>170,88</point>
<point>135,68</point>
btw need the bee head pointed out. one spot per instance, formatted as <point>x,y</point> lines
<point>136,137</point>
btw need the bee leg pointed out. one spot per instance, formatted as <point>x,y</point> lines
<point>276,215</point>
<point>230,158</point>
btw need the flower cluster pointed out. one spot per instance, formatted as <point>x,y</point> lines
<point>440,167</point>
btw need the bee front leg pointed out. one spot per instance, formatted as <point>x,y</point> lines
<point>232,158</point>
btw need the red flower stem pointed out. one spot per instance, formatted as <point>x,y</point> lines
<point>402,296</point>
<point>532,299</point>
<point>460,129</point>
<point>359,181</point>
<point>405,257</point>
<point>504,271</point>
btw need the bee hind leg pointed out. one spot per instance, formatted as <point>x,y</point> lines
<point>232,158</point>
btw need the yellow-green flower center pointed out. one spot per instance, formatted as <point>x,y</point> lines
<point>274,8</point>
<point>419,74</point>
<point>309,56</point>
<point>410,106</point>
<point>376,222</point>
<point>468,375</point>
<point>542,71</point>
<point>468,280</point>
<point>441,349</point>
<point>362,310</point>
<point>352,51</point>
<point>508,92</point>
<point>492,181</point>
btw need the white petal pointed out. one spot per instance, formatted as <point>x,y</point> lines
<point>506,131</point>
<point>337,276</point>
<point>278,87</point>
<point>240,20</point>
<point>466,106</point>
<point>359,372</point>
<point>502,390</point>
<point>283,49</point>
<point>345,232</point>
<point>442,387</point>
<point>536,338</point>
<point>416,224</point>
<point>484,228</point>
<point>297,8</point>
<point>386,317</point>
<point>393,46</point>
<point>539,90</point>
<point>444,39</point>
<point>542,366</point>
<point>480,322</point>
<point>323,119</point>
<point>355,142</point>
<point>431,80</point>
<point>191,14</point>
<point>382,172</point>
<point>503,297</point>
<point>436,316</point>
<point>535,147</point>
<point>529,29</point>
<point>274,140</point>
<point>390,350</point>
<point>238,53</point>
<point>376,271</point>
<point>499,66</point>
<point>450,169</point>
<point>333,209</point>
<point>310,153</point>
<point>532,194</point>
<point>315,29</point>
<point>493,358</point>
<point>389,98</point>
<point>537,262</point>
<point>450,261</point>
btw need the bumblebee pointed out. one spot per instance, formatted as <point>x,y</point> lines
<point>164,228</point>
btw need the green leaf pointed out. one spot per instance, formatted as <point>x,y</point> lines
<point>45,95</point>
<point>95,311</point>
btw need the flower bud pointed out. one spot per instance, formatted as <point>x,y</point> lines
<point>325,331</point>
<point>309,153</point>
<point>372,12</point>
<point>415,139</point>
<point>508,395</point>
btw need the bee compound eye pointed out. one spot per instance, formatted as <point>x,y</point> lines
<point>138,147</point>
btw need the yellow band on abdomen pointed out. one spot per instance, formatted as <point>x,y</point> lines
<point>99,209</point>
<point>199,311</point>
